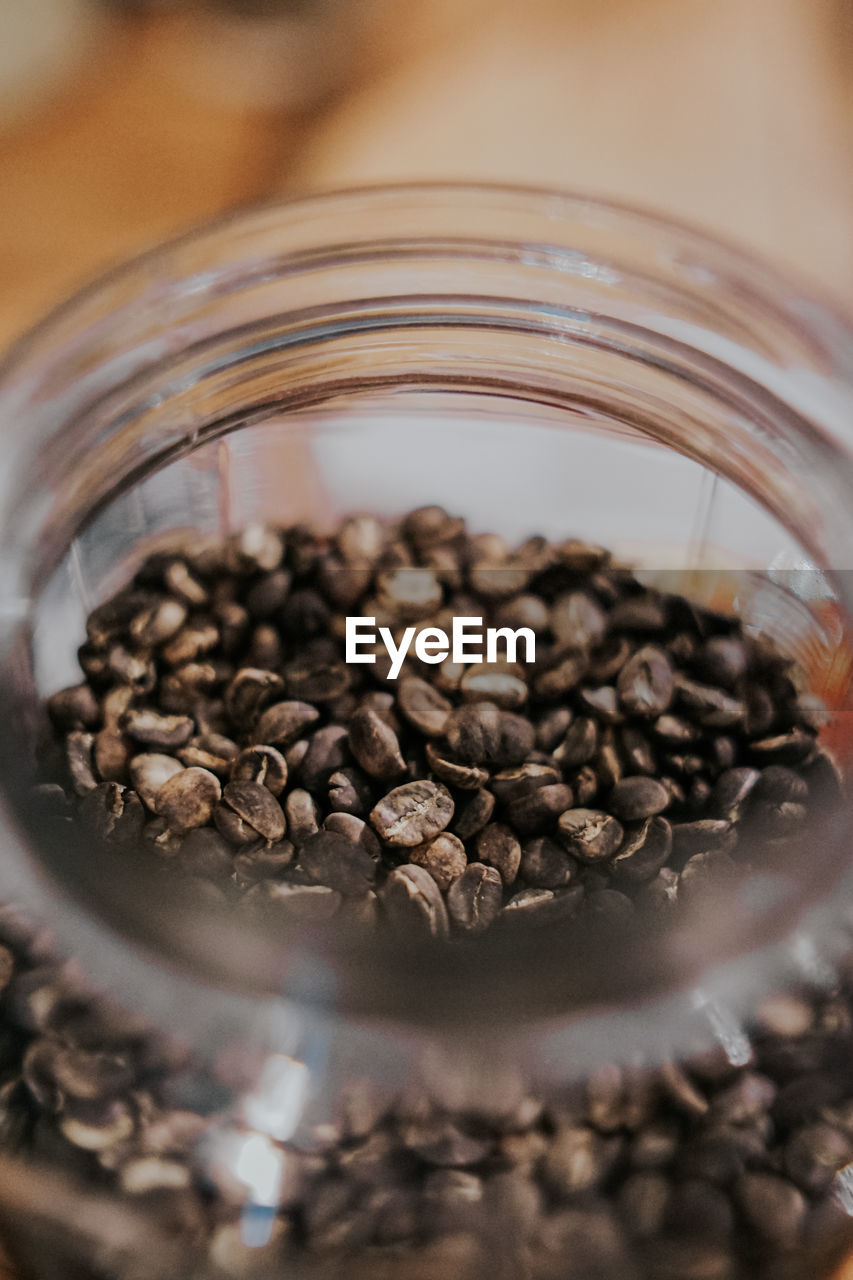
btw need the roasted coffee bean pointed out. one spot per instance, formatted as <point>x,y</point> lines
<point>643,852</point>
<point>545,865</point>
<point>646,683</point>
<point>283,722</point>
<point>813,1156</point>
<point>328,751</point>
<point>149,771</point>
<point>731,793</point>
<point>498,847</point>
<point>585,786</point>
<point>261,764</point>
<point>424,706</point>
<point>412,813</point>
<point>302,815</point>
<point>472,814</point>
<point>152,729</point>
<point>375,745</point>
<point>635,798</point>
<point>535,907</point>
<point>248,812</point>
<point>474,900</point>
<point>188,799</point>
<point>603,703</point>
<point>413,904</point>
<point>211,751</point>
<point>330,858</point>
<point>466,777</point>
<point>79,747</point>
<point>772,1208</point>
<point>560,679</point>
<point>481,734</point>
<point>537,811</point>
<point>74,708</point>
<point>349,792</point>
<point>590,835</point>
<point>112,812</point>
<point>444,858</point>
<point>702,836</point>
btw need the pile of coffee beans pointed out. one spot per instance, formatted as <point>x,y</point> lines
<point>649,747</point>
<point>699,1170</point>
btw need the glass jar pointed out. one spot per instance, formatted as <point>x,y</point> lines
<point>541,364</point>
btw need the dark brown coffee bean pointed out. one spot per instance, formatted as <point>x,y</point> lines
<point>111,754</point>
<point>375,745</point>
<point>252,689</point>
<point>602,703</point>
<point>560,679</point>
<point>413,903</point>
<point>498,847</point>
<point>151,729</point>
<point>328,751</point>
<point>772,1208</point>
<point>474,900</point>
<point>552,727</point>
<point>512,784</point>
<point>589,835</point>
<point>188,799</point>
<point>712,707</point>
<point>261,764</point>
<point>157,623</point>
<point>702,836</point>
<point>74,708</point>
<point>579,745</point>
<point>731,792</point>
<point>538,811</point>
<point>643,852</point>
<point>723,661</point>
<point>473,814</point>
<point>483,734</point>
<point>349,792</point>
<point>424,706</point>
<point>646,683</point>
<point>633,799</point>
<point>302,815</point>
<point>536,907</point>
<point>333,859</point>
<point>778,785</point>
<point>247,812</point>
<point>466,777</point>
<point>585,786</point>
<point>444,858</point>
<point>813,1156</point>
<point>681,1091</point>
<point>544,865</point>
<point>412,813</point>
<point>284,722</point>
<point>112,812</point>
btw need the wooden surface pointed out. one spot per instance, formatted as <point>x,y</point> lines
<point>737,115</point>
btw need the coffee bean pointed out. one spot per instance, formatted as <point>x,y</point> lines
<point>813,1156</point>
<point>328,751</point>
<point>772,1208</point>
<point>247,812</point>
<point>349,792</point>
<point>188,799</point>
<point>375,745</point>
<point>702,836</point>
<point>284,722</point>
<point>424,706</point>
<point>413,904</point>
<point>644,851</point>
<point>151,729</point>
<point>330,858</point>
<point>74,708</point>
<point>498,847</point>
<point>301,814</point>
<point>261,764</point>
<point>536,907</point>
<point>444,858</point>
<point>589,834</point>
<point>634,798</point>
<point>646,683</point>
<point>474,900</point>
<point>412,813</point>
<point>544,865</point>
<point>472,814</point>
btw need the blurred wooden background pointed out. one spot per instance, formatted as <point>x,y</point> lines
<point>737,115</point>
